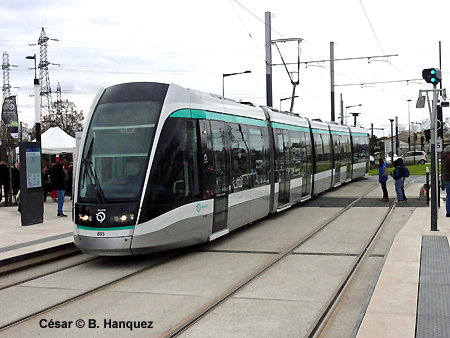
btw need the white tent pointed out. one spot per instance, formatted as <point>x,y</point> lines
<point>56,141</point>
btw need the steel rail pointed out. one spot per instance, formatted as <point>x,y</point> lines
<point>332,305</point>
<point>210,306</point>
<point>169,257</point>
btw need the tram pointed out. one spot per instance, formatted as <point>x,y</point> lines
<point>163,167</point>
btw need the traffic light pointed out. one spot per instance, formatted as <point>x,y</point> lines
<point>432,75</point>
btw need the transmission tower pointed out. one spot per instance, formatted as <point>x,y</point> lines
<point>6,86</point>
<point>46,91</point>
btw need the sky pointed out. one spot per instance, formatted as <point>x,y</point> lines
<point>193,43</point>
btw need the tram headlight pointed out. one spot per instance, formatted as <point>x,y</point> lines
<point>124,218</point>
<point>84,218</point>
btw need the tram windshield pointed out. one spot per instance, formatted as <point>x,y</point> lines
<point>115,155</point>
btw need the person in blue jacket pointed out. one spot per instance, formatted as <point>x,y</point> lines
<point>382,178</point>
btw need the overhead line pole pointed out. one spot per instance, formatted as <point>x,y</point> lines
<point>333,118</point>
<point>269,95</point>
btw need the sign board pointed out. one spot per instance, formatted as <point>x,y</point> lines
<point>33,167</point>
<point>31,195</point>
<point>439,145</point>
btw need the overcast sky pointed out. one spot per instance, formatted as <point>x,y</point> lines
<point>192,43</point>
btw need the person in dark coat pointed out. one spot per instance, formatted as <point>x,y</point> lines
<point>45,182</point>
<point>399,178</point>
<point>58,179</point>
<point>445,170</point>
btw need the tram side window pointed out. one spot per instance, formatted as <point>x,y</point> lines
<point>360,149</point>
<point>174,178</point>
<point>347,149</point>
<point>323,151</point>
<point>296,159</point>
<point>240,162</point>
<point>259,165</point>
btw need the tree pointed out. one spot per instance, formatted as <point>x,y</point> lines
<point>64,115</point>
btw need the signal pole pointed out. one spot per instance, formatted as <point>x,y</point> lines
<point>433,76</point>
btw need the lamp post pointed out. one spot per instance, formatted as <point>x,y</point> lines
<point>354,117</point>
<point>414,139</point>
<point>342,117</point>
<point>392,140</point>
<point>37,110</point>
<point>287,98</point>
<point>231,74</point>
<point>409,124</point>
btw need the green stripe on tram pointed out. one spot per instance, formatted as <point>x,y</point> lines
<point>203,114</point>
<point>334,132</point>
<point>320,131</point>
<point>81,227</point>
<point>289,127</point>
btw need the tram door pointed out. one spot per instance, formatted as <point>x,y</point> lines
<point>283,167</point>
<point>221,172</point>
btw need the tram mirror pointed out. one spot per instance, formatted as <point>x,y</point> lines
<point>178,187</point>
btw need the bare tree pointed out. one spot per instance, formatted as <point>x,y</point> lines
<point>64,115</point>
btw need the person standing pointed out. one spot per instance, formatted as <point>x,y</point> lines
<point>382,178</point>
<point>445,170</point>
<point>397,175</point>
<point>58,179</point>
<point>45,184</point>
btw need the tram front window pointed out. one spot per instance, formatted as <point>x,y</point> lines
<point>116,151</point>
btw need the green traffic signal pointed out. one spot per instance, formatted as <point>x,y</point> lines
<point>432,75</point>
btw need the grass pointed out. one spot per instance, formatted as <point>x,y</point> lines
<point>413,169</point>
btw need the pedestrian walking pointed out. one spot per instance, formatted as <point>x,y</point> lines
<point>382,178</point>
<point>445,170</point>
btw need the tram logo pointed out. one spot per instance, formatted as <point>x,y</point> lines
<point>100,216</point>
<point>199,207</point>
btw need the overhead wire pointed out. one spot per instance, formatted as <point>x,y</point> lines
<point>378,41</point>
<point>248,32</point>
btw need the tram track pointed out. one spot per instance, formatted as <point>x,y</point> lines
<point>159,260</point>
<point>180,326</point>
<point>7,281</point>
<point>324,317</point>
<point>319,326</point>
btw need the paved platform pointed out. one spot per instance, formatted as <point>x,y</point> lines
<point>19,242</point>
<point>412,294</point>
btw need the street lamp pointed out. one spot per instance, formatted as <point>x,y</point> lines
<point>414,139</point>
<point>231,74</point>
<point>392,140</point>
<point>354,116</point>
<point>409,124</point>
<point>37,108</point>
<point>287,98</point>
<point>342,117</point>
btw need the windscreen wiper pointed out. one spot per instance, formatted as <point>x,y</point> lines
<point>89,170</point>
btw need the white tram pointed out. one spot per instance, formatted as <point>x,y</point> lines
<point>163,167</point>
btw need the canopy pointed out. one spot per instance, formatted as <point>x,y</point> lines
<point>56,141</point>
